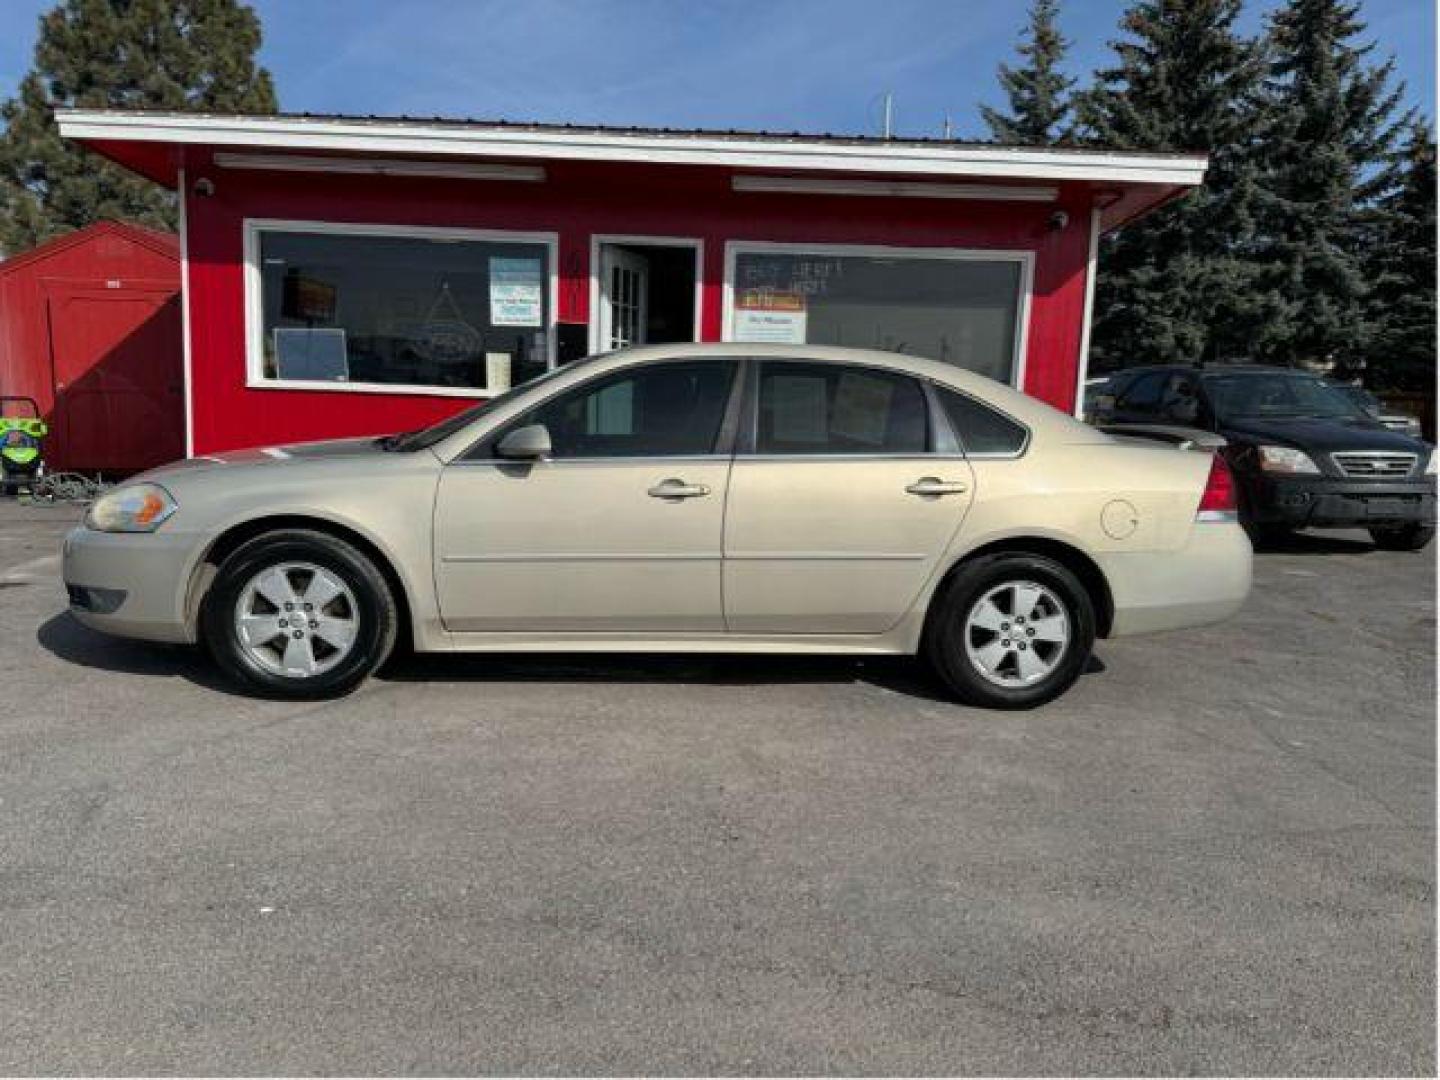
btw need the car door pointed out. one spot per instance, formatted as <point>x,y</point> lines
<point>619,530</point>
<point>839,503</point>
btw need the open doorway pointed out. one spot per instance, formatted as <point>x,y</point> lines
<point>643,291</point>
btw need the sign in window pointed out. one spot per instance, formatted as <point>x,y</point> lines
<point>962,311</point>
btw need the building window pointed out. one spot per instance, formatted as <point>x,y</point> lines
<point>962,308</point>
<point>374,308</point>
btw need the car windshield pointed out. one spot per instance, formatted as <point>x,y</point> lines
<point>424,438</point>
<point>1361,397</point>
<point>1256,395</point>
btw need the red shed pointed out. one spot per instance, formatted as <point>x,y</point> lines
<point>90,328</point>
<point>357,275</point>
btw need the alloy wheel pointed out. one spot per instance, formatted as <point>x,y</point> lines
<point>297,619</point>
<point>1017,633</point>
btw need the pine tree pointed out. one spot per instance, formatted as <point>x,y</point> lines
<point>1038,92</point>
<point>1334,123</point>
<point>131,54</point>
<point>1401,273</point>
<point>1178,285</point>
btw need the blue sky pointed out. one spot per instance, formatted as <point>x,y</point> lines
<point>813,65</point>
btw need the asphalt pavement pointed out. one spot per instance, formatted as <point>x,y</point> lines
<point>1215,855</point>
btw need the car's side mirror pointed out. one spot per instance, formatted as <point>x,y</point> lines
<point>528,443</point>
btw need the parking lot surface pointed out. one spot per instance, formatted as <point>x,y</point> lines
<point>1215,855</point>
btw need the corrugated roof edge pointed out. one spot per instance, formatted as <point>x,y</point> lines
<point>641,131</point>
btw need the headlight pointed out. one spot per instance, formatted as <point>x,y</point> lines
<point>134,508</point>
<point>1285,459</point>
<point>1430,465</point>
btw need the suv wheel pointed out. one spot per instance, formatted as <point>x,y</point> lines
<point>299,614</point>
<point>1011,631</point>
<point>1405,538</point>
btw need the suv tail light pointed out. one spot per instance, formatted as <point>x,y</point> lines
<point>1217,502</point>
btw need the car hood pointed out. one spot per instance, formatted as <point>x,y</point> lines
<point>1320,435</point>
<point>275,456</point>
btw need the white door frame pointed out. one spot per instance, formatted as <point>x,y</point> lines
<point>598,240</point>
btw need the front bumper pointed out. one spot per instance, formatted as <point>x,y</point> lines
<point>131,584</point>
<point>1298,501</point>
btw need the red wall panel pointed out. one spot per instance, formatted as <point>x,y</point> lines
<point>576,201</point>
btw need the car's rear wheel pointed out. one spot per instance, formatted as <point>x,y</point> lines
<point>1011,631</point>
<point>1405,538</point>
<point>299,614</point>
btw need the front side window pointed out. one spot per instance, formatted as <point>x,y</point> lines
<point>659,410</point>
<point>425,311</point>
<point>837,409</point>
<point>961,311</point>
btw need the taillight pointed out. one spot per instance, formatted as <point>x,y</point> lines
<point>1217,502</point>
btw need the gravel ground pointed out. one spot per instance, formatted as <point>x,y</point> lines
<point>1215,855</point>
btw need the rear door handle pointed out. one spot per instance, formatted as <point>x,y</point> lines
<point>675,488</point>
<point>929,486</point>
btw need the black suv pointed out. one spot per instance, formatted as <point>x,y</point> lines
<point>1302,452</point>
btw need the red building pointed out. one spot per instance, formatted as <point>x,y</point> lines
<point>90,329</point>
<point>346,276</point>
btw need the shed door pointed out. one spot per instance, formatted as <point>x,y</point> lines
<point>116,356</point>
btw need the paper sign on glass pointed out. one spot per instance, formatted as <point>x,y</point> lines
<point>516,291</point>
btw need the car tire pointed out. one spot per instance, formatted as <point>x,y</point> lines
<point>1405,538</point>
<point>966,646</point>
<point>335,625</point>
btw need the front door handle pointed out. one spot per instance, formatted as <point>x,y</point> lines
<point>929,486</point>
<point>675,488</point>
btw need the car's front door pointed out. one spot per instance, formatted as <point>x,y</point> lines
<point>618,530</point>
<point>840,504</point>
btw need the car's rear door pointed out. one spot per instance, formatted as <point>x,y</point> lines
<point>840,502</point>
<point>618,531</point>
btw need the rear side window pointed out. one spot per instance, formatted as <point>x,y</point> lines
<point>980,429</point>
<point>835,409</point>
<point>1143,395</point>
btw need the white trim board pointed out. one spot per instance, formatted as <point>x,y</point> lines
<point>254,315</point>
<point>900,189</point>
<point>1092,266</point>
<point>599,239</point>
<point>186,379</point>
<point>1026,260</point>
<point>373,166</point>
<point>408,137</point>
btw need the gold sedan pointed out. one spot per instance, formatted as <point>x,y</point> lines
<point>686,498</point>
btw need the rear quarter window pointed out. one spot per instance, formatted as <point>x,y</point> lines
<point>981,429</point>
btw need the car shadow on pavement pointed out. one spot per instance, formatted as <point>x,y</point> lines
<point>66,639</point>
<point>1307,543</point>
<point>901,674</point>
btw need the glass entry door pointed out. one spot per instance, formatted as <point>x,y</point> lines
<point>625,298</point>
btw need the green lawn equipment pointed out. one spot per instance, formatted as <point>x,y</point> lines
<point>21,463</point>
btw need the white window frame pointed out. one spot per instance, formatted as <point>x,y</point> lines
<point>254,299</point>
<point>598,240</point>
<point>1026,260</point>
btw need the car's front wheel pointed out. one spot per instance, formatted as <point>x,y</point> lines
<point>1405,538</point>
<point>1011,631</point>
<point>299,614</point>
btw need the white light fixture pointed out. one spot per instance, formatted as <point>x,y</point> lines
<point>366,166</point>
<point>905,189</point>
